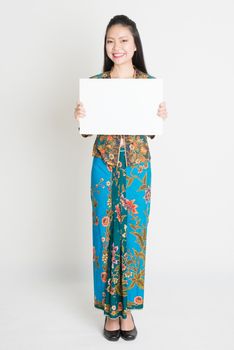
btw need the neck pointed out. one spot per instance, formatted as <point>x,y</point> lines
<point>122,71</point>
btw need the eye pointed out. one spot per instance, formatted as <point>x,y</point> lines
<point>109,41</point>
<point>124,39</point>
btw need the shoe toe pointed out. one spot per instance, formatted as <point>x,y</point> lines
<point>112,335</point>
<point>129,335</point>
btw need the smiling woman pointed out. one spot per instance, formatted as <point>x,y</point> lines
<point>120,48</point>
<point>120,195</point>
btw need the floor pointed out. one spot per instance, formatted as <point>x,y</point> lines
<point>182,311</point>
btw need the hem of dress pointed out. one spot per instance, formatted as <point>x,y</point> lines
<point>134,307</point>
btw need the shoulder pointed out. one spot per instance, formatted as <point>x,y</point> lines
<point>144,75</point>
<point>96,76</point>
<point>151,77</point>
<point>100,75</point>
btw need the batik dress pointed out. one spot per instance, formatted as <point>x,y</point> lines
<point>120,195</point>
<point>120,198</point>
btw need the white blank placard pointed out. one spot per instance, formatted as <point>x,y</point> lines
<point>121,106</point>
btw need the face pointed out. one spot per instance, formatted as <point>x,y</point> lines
<point>120,46</point>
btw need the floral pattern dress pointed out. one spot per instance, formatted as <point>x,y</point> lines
<point>120,196</point>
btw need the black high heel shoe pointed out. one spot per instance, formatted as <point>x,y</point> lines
<point>131,334</point>
<point>111,335</point>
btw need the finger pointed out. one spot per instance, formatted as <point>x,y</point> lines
<point>161,113</point>
<point>79,103</point>
<point>79,109</point>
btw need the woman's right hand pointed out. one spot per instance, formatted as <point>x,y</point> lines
<point>79,111</point>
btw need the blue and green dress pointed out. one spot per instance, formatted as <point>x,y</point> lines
<point>120,197</point>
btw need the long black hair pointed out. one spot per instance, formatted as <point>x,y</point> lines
<point>138,57</point>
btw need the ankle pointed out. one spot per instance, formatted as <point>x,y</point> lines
<point>112,320</point>
<point>128,315</point>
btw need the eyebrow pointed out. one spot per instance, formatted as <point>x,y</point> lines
<point>124,36</point>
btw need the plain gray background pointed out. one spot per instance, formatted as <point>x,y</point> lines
<point>46,230</point>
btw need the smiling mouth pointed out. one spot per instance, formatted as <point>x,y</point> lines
<point>118,55</point>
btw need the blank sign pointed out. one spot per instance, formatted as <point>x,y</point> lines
<point>121,106</point>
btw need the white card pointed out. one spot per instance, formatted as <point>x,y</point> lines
<point>121,106</point>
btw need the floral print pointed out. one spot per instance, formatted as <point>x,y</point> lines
<point>107,147</point>
<point>120,197</point>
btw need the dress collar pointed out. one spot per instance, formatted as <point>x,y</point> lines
<point>138,74</point>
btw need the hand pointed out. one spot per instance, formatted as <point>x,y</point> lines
<point>162,112</point>
<point>79,111</point>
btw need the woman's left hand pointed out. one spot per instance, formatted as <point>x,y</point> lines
<point>162,111</point>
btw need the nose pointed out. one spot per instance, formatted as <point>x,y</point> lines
<point>116,46</point>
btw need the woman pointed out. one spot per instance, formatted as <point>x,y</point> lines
<point>120,194</point>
